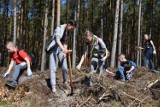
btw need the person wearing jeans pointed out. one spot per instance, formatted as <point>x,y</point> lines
<point>125,70</point>
<point>97,51</point>
<point>23,62</point>
<point>58,50</point>
<point>149,50</point>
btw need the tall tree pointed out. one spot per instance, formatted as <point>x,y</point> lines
<point>58,11</point>
<point>53,10</point>
<point>77,12</point>
<point>15,21</point>
<point>102,24</point>
<point>139,31</point>
<point>114,45</point>
<point>120,34</point>
<point>67,10</point>
<point>43,61</point>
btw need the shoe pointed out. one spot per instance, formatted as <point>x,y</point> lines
<point>55,94</point>
<point>129,76</point>
<point>29,76</point>
<point>155,71</point>
<point>11,83</point>
<point>66,85</point>
<point>54,89</point>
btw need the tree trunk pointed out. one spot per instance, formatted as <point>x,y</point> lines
<point>102,23</point>
<point>43,62</point>
<point>58,11</point>
<point>139,32</point>
<point>115,34</point>
<point>15,22</point>
<point>52,23</point>
<point>120,34</point>
<point>67,10</point>
<point>75,34</point>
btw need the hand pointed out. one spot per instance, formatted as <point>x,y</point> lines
<point>154,52</point>
<point>29,72</point>
<point>139,48</point>
<point>64,55</point>
<point>64,50</point>
<point>78,66</point>
<point>107,54</point>
<point>127,72</point>
<point>104,58</point>
<point>6,75</point>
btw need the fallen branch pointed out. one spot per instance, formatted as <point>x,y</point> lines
<point>91,103</point>
<point>103,95</point>
<point>138,98</point>
<point>144,99</point>
<point>85,101</point>
<point>151,84</point>
<point>132,97</point>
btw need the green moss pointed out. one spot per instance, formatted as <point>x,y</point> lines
<point>30,102</point>
<point>5,103</point>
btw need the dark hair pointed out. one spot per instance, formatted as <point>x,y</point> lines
<point>72,23</point>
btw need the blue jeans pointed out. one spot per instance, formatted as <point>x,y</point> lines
<point>53,66</point>
<point>148,55</point>
<point>97,64</point>
<point>19,69</point>
<point>121,73</point>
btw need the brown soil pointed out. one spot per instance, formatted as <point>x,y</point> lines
<point>105,91</point>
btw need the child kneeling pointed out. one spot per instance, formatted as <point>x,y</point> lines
<point>125,70</point>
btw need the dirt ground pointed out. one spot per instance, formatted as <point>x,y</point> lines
<point>143,90</point>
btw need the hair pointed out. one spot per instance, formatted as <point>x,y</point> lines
<point>72,23</point>
<point>149,36</point>
<point>87,32</point>
<point>10,44</point>
<point>121,56</point>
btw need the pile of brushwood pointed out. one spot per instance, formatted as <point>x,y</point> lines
<point>143,90</point>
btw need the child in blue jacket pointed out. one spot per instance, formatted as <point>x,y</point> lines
<point>125,70</point>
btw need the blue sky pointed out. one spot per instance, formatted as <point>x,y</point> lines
<point>63,1</point>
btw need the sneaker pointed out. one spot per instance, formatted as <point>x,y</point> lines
<point>129,76</point>
<point>66,85</point>
<point>29,76</point>
<point>55,94</point>
<point>54,89</point>
<point>11,83</point>
<point>155,71</point>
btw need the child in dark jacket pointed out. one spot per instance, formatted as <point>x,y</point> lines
<point>125,70</point>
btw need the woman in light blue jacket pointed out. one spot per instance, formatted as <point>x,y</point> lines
<point>58,50</point>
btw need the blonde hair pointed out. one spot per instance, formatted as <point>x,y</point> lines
<point>87,32</point>
<point>121,56</point>
<point>11,44</point>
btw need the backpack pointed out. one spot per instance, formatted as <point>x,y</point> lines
<point>133,64</point>
<point>31,55</point>
<point>48,41</point>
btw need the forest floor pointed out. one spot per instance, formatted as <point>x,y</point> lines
<point>143,90</point>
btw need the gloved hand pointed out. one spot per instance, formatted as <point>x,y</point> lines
<point>78,66</point>
<point>6,75</point>
<point>29,73</point>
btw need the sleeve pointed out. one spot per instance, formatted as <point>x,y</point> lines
<point>100,41</point>
<point>57,33</point>
<point>23,54</point>
<point>133,64</point>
